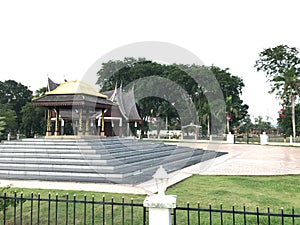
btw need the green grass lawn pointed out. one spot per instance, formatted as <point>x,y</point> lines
<point>252,191</point>
<point>262,191</point>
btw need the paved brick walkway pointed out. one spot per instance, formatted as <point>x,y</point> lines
<point>245,159</point>
<point>242,159</point>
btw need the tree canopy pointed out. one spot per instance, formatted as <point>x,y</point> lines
<point>180,84</point>
<point>282,67</point>
<point>9,119</point>
<point>16,110</point>
<point>16,95</point>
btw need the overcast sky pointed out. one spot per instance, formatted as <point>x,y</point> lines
<point>64,38</point>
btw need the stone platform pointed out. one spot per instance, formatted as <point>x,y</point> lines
<point>97,160</point>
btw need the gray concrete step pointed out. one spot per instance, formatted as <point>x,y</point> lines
<point>114,160</point>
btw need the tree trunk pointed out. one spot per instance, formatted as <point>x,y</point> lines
<point>293,117</point>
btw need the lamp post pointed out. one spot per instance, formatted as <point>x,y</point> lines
<point>160,204</point>
<point>161,179</point>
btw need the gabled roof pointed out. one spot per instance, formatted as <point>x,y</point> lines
<point>125,102</point>
<point>73,93</point>
<point>75,87</point>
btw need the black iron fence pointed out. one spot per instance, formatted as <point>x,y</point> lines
<point>200,215</point>
<point>70,210</point>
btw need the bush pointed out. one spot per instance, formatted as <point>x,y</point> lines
<point>8,201</point>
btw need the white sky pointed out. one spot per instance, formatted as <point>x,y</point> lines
<point>64,38</point>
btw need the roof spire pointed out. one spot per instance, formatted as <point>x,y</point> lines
<point>51,85</point>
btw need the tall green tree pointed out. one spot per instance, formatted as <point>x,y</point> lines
<point>33,120</point>
<point>282,67</point>
<point>10,119</point>
<point>183,88</point>
<point>285,119</point>
<point>231,87</point>
<point>16,95</point>
<point>40,92</point>
<point>245,126</point>
<point>262,125</point>
<point>146,76</point>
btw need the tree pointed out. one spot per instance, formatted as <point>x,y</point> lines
<point>146,76</point>
<point>245,126</point>
<point>40,92</point>
<point>9,202</point>
<point>16,95</point>
<point>231,87</point>
<point>33,120</point>
<point>261,125</point>
<point>282,67</point>
<point>185,95</point>
<point>9,117</point>
<point>285,119</point>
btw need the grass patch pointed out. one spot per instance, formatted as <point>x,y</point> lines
<point>252,191</point>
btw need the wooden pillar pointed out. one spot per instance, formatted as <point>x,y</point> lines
<point>102,124</point>
<point>128,128</point>
<point>87,122</point>
<point>80,122</point>
<point>48,132</point>
<point>56,132</point>
<point>62,127</point>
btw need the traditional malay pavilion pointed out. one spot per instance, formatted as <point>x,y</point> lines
<point>89,112</point>
<point>74,101</point>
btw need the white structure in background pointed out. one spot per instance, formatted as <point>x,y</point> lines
<point>264,139</point>
<point>193,126</point>
<point>230,138</point>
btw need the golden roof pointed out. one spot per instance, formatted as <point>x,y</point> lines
<point>75,87</point>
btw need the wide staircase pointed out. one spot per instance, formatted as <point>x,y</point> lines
<point>107,160</point>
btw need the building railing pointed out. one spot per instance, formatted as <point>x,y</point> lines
<point>71,210</point>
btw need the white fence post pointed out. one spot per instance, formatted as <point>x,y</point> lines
<point>264,139</point>
<point>160,205</point>
<point>160,208</point>
<point>230,138</point>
